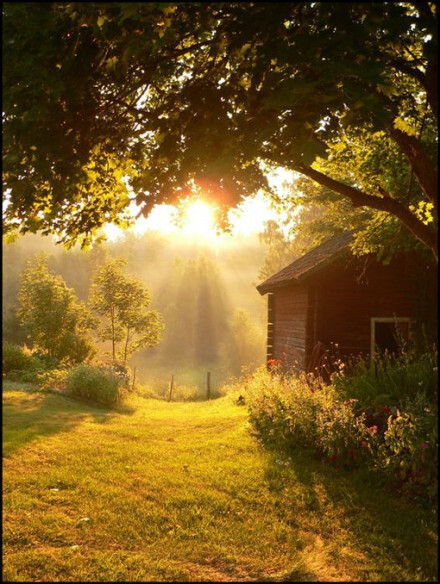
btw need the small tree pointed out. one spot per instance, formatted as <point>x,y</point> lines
<point>122,302</point>
<point>54,320</point>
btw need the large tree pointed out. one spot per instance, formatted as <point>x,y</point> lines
<point>190,95</point>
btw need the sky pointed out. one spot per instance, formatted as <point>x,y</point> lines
<point>198,217</point>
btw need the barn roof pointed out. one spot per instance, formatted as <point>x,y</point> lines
<point>308,264</point>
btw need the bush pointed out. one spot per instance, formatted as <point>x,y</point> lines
<point>283,409</point>
<point>409,451</point>
<point>298,411</point>
<point>101,384</point>
<point>388,381</point>
<point>301,411</point>
<point>47,362</point>
<point>341,432</point>
<point>53,379</point>
<point>15,359</point>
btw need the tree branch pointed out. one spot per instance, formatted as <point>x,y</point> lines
<point>387,204</point>
<point>145,77</point>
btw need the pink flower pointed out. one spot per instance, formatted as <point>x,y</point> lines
<point>425,444</point>
<point>372,430</point>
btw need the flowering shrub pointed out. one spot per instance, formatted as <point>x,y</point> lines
<point>283,409</point>
<point>301,411</point>
<point>101,384</point>
<point>409,449</point>
<point>340,431</point>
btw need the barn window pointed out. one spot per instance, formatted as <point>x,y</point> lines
<point>389,334</point>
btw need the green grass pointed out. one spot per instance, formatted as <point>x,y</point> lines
<point>182,492</point>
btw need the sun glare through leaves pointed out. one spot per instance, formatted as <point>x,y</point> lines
<point>196,218</point>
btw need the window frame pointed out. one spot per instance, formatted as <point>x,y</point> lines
<point>384,319</point>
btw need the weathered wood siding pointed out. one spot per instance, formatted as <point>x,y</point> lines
<point>335,307</point>
<point>290,309</point>
<point>345,304</point>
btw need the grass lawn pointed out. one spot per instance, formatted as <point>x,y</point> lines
<point>182,492</point>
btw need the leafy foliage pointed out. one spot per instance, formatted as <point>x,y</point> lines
<point>15,359</point>
<point>122,302</point>
<point>100,384</point>
<point>53,378</point>
<point>180,97</point>
<point>56,322</point>
<point>389,381</point>
<point>297,412</point>
<point>409,449</point>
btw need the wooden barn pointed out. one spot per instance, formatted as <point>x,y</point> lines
<point>330,301</point>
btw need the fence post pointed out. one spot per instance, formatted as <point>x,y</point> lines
<point>208,385</point>
<point>171,387</point>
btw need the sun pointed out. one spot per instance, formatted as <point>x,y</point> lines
<point>199,219</point>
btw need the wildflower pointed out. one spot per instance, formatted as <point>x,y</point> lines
<point>425,445</point>
<point>349,402</point>
<point>372,430</point>
<point>274,363</point>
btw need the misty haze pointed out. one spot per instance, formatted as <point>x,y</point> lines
<point>220,291</point>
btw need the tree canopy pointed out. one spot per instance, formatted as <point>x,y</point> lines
<point>49,310</point>
<point>110,102</point>
<point>122,301</point>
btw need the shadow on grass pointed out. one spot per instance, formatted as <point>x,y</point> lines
<point>29,415</point>
<point>387,529</point>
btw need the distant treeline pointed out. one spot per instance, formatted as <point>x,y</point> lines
<point>214,317</point>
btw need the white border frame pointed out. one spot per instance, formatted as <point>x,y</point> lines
<point>374,319</point>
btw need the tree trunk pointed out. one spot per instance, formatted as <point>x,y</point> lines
<point>113,334</point>
<point>421,165</point>
<point>127,339</point>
